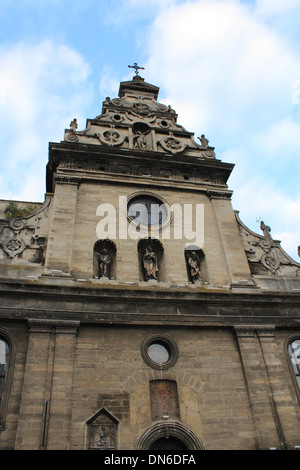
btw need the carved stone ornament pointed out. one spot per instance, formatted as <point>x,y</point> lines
<point>17,224</point>
<point>267,241</point>
<point>102,431</point>
<point>141,109</point>
<point>270,262</point>
<point>209,154</point>
<point>265,255</point>
<point>20,233</point>
<point>72,137</point>
<point>171,144</point>
<point>111,137</point>
<point>14,246</point>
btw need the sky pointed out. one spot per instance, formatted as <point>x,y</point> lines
<point>229,68</point>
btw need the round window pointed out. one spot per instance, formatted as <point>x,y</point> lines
<point>159,351</point>
<point>147,210</point>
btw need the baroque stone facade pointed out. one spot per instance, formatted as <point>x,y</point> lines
<point>137,310</point>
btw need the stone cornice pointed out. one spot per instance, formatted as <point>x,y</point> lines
<point>159,161</point>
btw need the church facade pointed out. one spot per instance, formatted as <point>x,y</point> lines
<point>137,311</point>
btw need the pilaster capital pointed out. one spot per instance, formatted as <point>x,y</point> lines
<point>67,179</point>
<point>244,331</point>
<point>247,331</point>
<point>215,194</point>
<point>266,331</point>
<point>41,325</point>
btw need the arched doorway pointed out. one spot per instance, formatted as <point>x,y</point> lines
<point>170,435</point>
<point>171,443</point>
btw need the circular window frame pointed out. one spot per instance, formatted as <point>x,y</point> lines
<point>145,194</point>
<point>167,343</point>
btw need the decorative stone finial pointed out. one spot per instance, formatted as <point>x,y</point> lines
<point>136,67</point>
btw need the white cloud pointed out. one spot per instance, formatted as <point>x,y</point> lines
<point>279,138</point>
<point>229,73</point>
<point>235,62</point>
<point>109,84</point>
<point>278,7</point>
<point>45,85</point>
<point>122,13</point>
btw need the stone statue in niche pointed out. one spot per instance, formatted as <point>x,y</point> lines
<point>139,141</point>
<point>104,256</point>
<point>104,263</point>
<point>193,262</point>
<point>150,264</point>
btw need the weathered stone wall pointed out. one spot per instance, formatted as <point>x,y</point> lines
<point>234,386</point>
<point>74,223</point>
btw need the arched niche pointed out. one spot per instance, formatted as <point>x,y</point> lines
<point>169,435</point>
<point>195,264</point>
<point>151,260</point>
<point>104,259</point>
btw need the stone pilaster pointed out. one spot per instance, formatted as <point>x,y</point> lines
<point>264,415</point>
<point>35,386</point>
<point>60,241</point>
<point>60,410</point>
<point>237,264</point>
<point>284,410</point>
<point>46,404</point>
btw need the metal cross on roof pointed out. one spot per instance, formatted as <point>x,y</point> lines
<point>136,67</point>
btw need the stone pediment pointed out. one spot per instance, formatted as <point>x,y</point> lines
<point>136,120</point>
<point>265,256</point>
<point>102,430</point>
